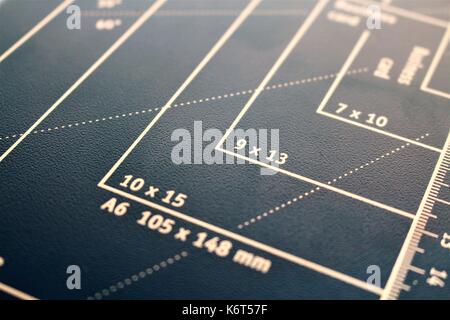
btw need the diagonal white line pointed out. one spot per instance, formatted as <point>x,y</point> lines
<point>119,42</point>
<point>219,44</point>
<point>16,293</point>
<point>27,36</point>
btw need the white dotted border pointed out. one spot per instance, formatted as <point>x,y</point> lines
<point>136,277</point>
<point>193,102</point>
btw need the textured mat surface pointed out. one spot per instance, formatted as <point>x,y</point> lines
<point>354,202</point>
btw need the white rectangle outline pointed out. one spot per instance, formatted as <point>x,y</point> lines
<point>336,84</point>
<point>116,45</point>
<point>413,16</point>
<point>360,43</point>
<point>434,64</point>
<point>232,235</point>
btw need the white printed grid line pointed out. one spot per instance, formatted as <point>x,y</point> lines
<point>261,246</point>
<point>349,61</point>
<point>255,244</point>
<point>279,62</point>
<point>116,45</point>
<point>323,185</point>
<point>302,196</point>
<point>297,37</point>
<point>27,36</point>
<point>187,103</point>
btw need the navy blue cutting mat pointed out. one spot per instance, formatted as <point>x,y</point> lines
<point>239,149</point>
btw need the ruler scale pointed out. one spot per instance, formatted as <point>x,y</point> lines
<point>432,276</point>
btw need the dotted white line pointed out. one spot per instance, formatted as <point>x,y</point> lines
<point>312,191</point>
<point>188,103</point>
<point>138,276</point>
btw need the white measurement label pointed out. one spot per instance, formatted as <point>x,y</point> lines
<point>158,223</point>
<point>356,115</point>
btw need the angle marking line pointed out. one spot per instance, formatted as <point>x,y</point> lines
<point>119,42</point>
<point>353,54</point>
<point>219,44</point>
<point>304,195</point>
<point>16,293</point>
<point>405,257</point>
<point>286,52</point>
<point>258,245</point>
<point>193,13</point>
<point>324,185</point>
<point>197,101</point>
<point>27,36</point>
